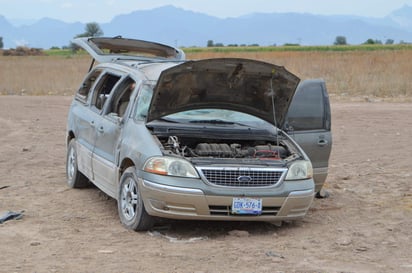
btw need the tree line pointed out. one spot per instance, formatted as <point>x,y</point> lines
<point>339,40</point>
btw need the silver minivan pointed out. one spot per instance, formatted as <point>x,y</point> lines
<point>215,139</point>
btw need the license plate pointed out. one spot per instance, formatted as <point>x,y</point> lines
<point>247,206</point>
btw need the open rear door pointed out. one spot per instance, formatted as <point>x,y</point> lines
<point>104,49</point>
<point>308,122</point>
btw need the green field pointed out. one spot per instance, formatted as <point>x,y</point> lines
<point>334,48</point>
<point>373,47</point>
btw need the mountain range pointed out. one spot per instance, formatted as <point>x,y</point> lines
<point>184,28</point>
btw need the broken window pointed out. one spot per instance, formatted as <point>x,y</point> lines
<point>86,87</point>
<point>122,96</point>
<point>103,89</point>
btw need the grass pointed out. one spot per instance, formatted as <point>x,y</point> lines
<point>42,75</point>
<point>355,74</point>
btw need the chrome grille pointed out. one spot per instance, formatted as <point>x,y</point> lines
<point>242,177</point>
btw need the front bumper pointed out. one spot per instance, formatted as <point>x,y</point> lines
<point>189,203</point>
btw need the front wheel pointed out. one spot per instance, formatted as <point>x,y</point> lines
<point>75,179</point>
<point>130,205</point>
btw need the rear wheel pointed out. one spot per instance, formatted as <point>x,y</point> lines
<point>75,179</point>
<point>130,205</point>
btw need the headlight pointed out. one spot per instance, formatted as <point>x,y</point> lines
<point>301,169</point>
<point>170,166</point>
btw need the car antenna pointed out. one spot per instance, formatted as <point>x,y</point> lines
<point>272,93</point>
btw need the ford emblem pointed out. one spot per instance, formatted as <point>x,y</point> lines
<point>244,179</point>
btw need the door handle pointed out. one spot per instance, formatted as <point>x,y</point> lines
<point>322,142</point>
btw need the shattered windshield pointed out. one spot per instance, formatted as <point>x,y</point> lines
<point>143,101</point>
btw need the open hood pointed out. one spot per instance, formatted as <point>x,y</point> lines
<point>228,83</point>
<point>105,50</point>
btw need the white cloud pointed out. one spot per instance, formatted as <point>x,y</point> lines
<point>66,5</point>
<point>21,42</point>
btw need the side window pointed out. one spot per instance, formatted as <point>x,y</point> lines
<point>121,97</point>
<point>143,102</point>
<point>84,90</point>
<point>103,89</point>
<point>307,110</point>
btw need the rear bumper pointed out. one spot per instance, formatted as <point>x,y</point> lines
<point>188,203</point>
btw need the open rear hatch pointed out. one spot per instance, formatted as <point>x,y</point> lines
<point>104,49</point>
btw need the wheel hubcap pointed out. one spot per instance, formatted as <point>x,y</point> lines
<point>71,164</point>
<point>129,199</point>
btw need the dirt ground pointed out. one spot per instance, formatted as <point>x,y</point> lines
<point>364,226</point>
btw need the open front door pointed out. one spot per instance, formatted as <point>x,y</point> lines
<point>308,122</point>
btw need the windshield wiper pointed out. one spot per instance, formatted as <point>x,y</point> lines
<point>215,121</point>
<point>168,120</point>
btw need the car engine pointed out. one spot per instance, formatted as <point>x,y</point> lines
<point>190,147</point>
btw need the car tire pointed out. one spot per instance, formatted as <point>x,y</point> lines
<point>75,179</point>
<point>130,205</point>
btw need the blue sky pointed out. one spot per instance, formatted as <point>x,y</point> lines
<point>102,11</point>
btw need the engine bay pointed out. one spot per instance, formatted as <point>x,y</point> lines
<point>202,147</point>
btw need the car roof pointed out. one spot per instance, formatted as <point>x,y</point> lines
<point>149,71</point>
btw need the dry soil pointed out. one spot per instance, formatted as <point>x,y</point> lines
<point>364,226</point>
